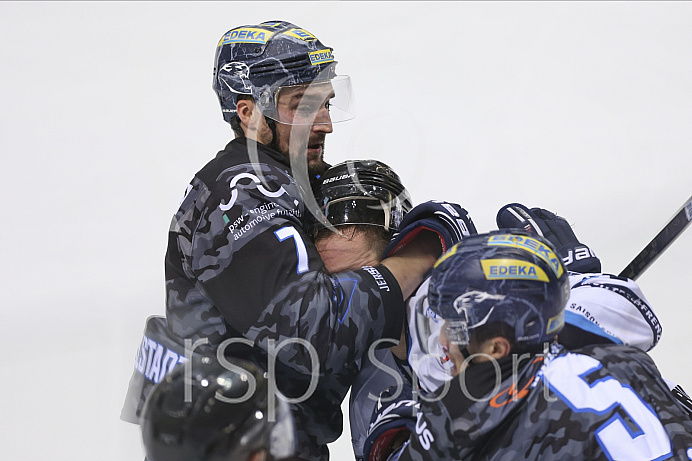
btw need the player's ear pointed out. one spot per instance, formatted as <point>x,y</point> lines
<point>246,109</point>
<point>252,121</point>
<point>495,347</point>
<point>499,347</point>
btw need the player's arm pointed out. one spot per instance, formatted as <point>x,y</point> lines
<point>250,255</point>
<point>410,265</point>
<point>403,429</point>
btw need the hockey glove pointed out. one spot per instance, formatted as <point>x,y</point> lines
<point>448,220</point>
<point>576,256</point>
<point>390,426</point>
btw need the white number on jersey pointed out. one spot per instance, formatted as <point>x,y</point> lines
<point>301,251</point>
<point>649,441</point>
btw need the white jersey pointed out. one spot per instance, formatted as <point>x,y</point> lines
<point>612,307</point>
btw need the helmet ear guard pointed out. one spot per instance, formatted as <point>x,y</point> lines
<point>514,277</point>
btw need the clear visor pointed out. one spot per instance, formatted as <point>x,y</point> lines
<point>428,328</point>
<point>457,332</point>
<point>317,103</point>
<point>435,333</point>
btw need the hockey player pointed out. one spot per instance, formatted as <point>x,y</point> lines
<point>363,202</point>
<point>208,411</point>
<point>242,277</point>
<point>602,308</point>
<point>501,297</point>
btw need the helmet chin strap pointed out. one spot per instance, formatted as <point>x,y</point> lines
<point>236,127</point>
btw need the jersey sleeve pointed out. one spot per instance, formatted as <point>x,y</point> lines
<point>241,241</point>
<point>433,439</point>
<point>378,371</point>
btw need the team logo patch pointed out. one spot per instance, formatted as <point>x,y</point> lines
<point>301,34</point>
<point>532,246</point>
<point>236,77</point>
<point>246,35</point>
<point>321,56</point>
<point>512,269</point>
<point>254,182</point>
<point>471,299</point>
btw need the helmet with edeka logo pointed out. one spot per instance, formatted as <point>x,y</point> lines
<point>363,192</point>
<point>215,413</point>
<point>512,278</point>
<point>260,60</point>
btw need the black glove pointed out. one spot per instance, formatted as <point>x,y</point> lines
<point>448,220</point>
<point>576,256</point>
<point>390,425</point>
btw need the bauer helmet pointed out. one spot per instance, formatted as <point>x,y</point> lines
<point>215,413</point>
<point>363,192</point>
<point>261,61</point>
<point>512,278</point>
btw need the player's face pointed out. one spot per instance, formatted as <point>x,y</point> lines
<point>346,251</point>
<point>304,121</point>
<point>475,351</point>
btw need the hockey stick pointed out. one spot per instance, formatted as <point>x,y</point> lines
<point>677,224</point>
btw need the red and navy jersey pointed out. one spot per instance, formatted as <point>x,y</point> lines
<point>595,403</point>
<point>242,275</point>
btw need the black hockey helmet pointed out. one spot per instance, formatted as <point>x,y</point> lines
<point>261,60</point>
<point>515,278</point>
<point>363,192</point>
<point>210,412</point>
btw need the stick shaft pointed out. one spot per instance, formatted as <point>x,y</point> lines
<point>671,231</point>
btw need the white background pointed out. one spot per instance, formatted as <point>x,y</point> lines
<point>107,112</point>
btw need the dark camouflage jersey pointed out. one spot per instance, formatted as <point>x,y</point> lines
<point>595,403</point>
<point>242,275</point>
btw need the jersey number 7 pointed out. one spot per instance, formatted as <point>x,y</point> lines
<point>301,251</point>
